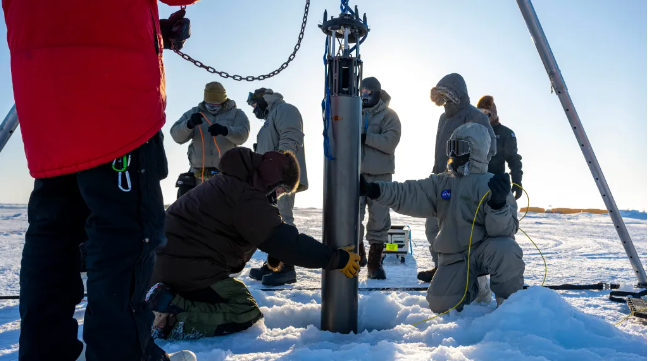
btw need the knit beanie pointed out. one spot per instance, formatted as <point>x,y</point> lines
<point>215,93</point>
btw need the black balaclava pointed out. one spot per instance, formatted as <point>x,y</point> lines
<point>374,85</point>
<point>261,109</point>
<point>456,162</point>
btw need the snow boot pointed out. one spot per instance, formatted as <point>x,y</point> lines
<point>184,355</point>
<point>158,354</point>
<point>485,295</point>
<point>375,269</point>
<point>159,298</point>
<point>499,300</point>
<point>258,273</point>
<point>426,276</point>
<point>362,254</point>
<point>286,275</point>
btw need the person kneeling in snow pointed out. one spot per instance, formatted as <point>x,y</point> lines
<point>213,231</point>
<point>452,197</point>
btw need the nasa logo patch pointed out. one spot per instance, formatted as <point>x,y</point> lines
<point>446,194</point>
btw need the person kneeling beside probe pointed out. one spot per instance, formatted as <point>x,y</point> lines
<point>214,230</point>
<point>479,240</point>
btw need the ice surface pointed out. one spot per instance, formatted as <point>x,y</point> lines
<point>535,324</point>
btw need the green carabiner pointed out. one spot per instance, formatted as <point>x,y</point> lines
<point>124,164</point>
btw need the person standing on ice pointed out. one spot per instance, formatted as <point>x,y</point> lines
<point>506,146</point>
<point>282,130</point>
<point>452,198</point>
<point>451,92</point>
<point>214,230</point>
<point>214,126</point>
<point>381,131</point>
<point>89,87</point>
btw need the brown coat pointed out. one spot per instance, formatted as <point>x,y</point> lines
<point>213,230</point>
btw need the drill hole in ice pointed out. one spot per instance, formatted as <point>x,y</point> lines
<point>376,310</point>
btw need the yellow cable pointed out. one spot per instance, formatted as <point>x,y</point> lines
<point>543,259</point>
<point>628,316</point>
<point>467,269</point>
<point>528,203</point>
<point>469,247</point>
<point>536,246</point>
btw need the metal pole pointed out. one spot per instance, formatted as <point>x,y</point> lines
<point>558,84</point>
<point>8,126</point>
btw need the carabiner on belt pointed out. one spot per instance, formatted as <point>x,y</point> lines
<point>120,165</point>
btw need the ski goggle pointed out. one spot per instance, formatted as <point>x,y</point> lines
<point>250,100</point>
<point>457,147</point>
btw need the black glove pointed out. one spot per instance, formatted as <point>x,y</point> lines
<point>500,186</point>
<point>175,30</point>
<point>363,139</point>
<point>517,191</point>
<point>368,189</point>
<point>217,129</point>
<point>196,119</point>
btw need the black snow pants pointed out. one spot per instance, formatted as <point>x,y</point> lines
<point>123,230</point>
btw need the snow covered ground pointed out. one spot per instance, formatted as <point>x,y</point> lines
<point>535,324</point>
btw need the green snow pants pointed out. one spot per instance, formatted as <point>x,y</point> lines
<point>230,308</point>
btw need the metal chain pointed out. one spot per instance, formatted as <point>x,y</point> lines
<point>283,66</point>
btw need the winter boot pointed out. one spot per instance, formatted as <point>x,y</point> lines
<point>159,298</point>
<point>426,276</point>
<point>484,295</point>
<point>375,269</point>
<point>158,354</point>
<point>258,273</point>
<point>499,300</point>
<point>362,254</point>
<point>286,275</point>
<point>183,356</point>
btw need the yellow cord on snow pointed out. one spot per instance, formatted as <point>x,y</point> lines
<point>628,316</point>
<point>541,255</point>
<point>469,247</point>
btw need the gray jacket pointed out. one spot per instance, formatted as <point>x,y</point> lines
<point>454,116</point>
<point>234,119</point>
<point>452,198</point>
<point>283,130</point>
<point>383,129</point>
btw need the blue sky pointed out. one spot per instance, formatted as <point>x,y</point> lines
<point>600,47</point>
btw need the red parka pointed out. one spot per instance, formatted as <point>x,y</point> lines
<point>88,79</point>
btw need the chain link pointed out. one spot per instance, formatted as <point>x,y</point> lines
<point>283,66</point>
